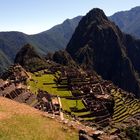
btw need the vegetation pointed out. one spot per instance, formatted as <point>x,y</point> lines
<point>20,122</point>
<point>125,107</point>
<point>49,41</point>
<point>133,132</point>
<point>62,57</point>
<point>28,58</point>
<point>128,21</point>
<point>70,105</point>
<point>4,62</point>
<point>46,82</point>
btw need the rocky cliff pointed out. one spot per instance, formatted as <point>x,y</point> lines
<point>100,45</point>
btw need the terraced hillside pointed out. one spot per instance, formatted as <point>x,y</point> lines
<point>90,100</point>
<point>84,95</point>
<point>46,82</point>
<point>126,106</point>
<point>13,85</point>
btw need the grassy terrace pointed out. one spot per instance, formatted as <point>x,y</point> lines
<point>46,83</point>
<point>67,104</point>
<point>124,107</point>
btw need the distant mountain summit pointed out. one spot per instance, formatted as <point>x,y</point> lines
<point>100,45</point>
<point>48,41</point>
<point>128,21</point>
<point>58,37</point>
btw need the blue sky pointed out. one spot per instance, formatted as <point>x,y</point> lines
<point>33,16</point>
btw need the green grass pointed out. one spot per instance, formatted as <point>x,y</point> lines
<point>20,122</point>
<point>82,113</point>
<point>67,104</point>
<point>124,107</point>
<point>33,128</point>
<point>89,119</point>
<point>51,88</point>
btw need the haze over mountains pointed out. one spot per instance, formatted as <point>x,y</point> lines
<point>57,37</point>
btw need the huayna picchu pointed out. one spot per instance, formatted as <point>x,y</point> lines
<point>89,91</point>
<point>98,44</point>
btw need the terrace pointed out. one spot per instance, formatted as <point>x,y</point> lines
<point>84,96</point>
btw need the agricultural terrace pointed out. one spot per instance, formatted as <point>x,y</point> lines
<point>46,82</point>
<point>125,107</point>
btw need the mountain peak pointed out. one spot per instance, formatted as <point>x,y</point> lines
<point>98,44</point>
<point>96,14</point>
<point>27,46</point>
<point>137,8</point>
<point>28,58</point>
<point>27,50</point>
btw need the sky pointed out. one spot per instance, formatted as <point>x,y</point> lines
<point>34,16</point>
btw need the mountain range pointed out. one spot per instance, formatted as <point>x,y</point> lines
<point>57,37</point>
<point>128,21</point>
<point>84,73</point>
<point>47,41</point>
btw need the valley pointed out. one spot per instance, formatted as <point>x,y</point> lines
<point>78,80</point>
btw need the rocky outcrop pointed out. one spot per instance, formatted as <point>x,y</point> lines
<point>100,45</point>
<point>28,58</point>
<point>62,57</point>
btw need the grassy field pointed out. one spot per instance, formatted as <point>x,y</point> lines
<point>67,104</point>
<point>50,86</point>
<point>46,82</point>
<point>21,122</point>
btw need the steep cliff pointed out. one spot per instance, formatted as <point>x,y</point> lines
<point>100,45</point>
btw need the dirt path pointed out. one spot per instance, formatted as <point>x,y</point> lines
<point>61,113</point>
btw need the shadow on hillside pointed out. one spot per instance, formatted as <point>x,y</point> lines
<point>48,84</point>
<point>90,115</point>
<point>80,110</point>
<point>62,88</point>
